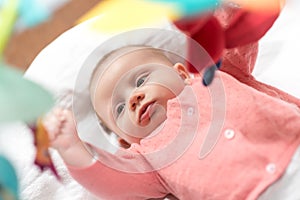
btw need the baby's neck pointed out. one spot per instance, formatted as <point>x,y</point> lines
<point>156,130</point>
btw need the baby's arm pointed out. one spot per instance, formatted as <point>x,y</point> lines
<point>101,180</point>
<point>61,128</point>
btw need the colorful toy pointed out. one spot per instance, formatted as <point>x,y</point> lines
<point>41,141</point>
<point>134,13</point>
<point>190,7</point>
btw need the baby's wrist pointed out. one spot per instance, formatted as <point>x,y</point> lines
<point>76,155</point>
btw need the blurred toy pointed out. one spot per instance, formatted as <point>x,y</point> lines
<point>32,13</point>
<point>190,7</point>
<point>8,181</point>
<point>134,13</point>
<point>41,141</point>
<point>21,99</point>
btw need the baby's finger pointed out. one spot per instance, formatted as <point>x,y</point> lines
<point>52,131</point>
<point>52,126</point>
<point>54,121</point>
<point>69,116</point>
<point>59,113</point>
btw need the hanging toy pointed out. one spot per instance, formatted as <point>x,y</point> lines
<point>21,99</point>
<point>42,143</point>
<point>187,8</point>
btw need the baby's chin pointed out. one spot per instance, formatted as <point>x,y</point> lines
<point>154,131</point>
<point>155,126</point>
<point>142,132</point>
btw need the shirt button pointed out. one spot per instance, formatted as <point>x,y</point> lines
<point>229,134</point>
<point>271,168</point>
<point>190,111</point>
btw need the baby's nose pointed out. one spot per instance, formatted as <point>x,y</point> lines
<point>135,100</point>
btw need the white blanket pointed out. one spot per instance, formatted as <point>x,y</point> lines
<point>278,60</point>
<point>277,65</point>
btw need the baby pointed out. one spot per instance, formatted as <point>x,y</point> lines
<point>225,141</point>
<point>136,94</point>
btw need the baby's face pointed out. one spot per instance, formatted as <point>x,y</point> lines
<point>131,94</point>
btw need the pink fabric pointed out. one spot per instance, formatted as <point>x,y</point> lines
<point>265,133</point>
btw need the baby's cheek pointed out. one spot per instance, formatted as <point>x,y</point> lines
<point>122,124</point>
<point>130,129</point>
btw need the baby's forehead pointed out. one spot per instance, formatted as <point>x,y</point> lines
<point>123,51</point>
<point>116,54</point>
<point>113,56</point>
<point>119,53</point>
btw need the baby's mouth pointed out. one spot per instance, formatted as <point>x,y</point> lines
<point>145,113</point>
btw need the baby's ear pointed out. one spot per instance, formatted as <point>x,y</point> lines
<point>123,143</point>
<point>182,71</point>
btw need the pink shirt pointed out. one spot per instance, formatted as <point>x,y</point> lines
<point>212,146</point>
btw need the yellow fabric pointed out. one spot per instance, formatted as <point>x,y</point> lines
<point>126,14</point>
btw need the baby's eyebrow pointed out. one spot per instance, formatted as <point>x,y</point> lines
<point>131,78</point>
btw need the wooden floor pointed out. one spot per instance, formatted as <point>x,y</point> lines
<point>23,47</point>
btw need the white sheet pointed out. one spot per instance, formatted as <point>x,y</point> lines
<point>278,61</point>
<point>277,65</point>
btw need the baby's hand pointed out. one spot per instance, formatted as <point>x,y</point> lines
<point>61,129</point>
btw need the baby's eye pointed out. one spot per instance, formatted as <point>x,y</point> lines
<point>120,108</point>
<point>140,81</point>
